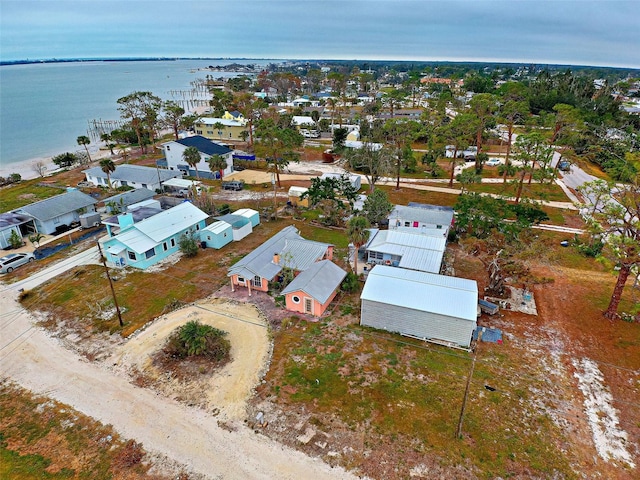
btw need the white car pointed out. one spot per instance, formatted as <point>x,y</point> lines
<point>12,261</point>
<point>492,162</point>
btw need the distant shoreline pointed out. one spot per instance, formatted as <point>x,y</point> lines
<point>116,59</point>
<point>326,60</point>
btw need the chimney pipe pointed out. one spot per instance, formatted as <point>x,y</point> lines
<point>276,259</point>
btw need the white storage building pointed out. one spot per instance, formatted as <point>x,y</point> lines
<point>422,305</point>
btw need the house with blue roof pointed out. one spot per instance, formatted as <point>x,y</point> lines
<point>174,160</point>
<point>145,243</point>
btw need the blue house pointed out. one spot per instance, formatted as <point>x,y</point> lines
<point>149,241</point>
<point>217,235</point>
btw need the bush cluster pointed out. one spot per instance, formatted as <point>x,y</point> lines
<point>197,339</point>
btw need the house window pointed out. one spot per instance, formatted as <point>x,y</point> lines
<point>308,305</point>
<point>257,281</point>
<point>131,255</point>
<point>165,247</point>
<point>407,224</point>
<point>173,242</point>
<point>197,227</point>
<point>376,255</point>
<point>208,237</point>
<point>229,134</point>
<point>438,226</point>
<point>210,132</point>
<point>199,132</point>
<point>56,220</point>
<point>241,280</point>
<point>295,299</point>
<point>144,185</point>
<point>150,253</point>
<point>124,183</point>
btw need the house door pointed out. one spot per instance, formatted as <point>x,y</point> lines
<point>308,306</point>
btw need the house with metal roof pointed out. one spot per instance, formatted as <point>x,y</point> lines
<point>312,290</point>
<point>57,212</point>
<point>286,249</point>
<point>422,305</point>
<point>136,176</point>
<point>420,249</point>
<point>174,150</point>
<point>420,215</point>
<point>119,203</point>
<point>153,239</point>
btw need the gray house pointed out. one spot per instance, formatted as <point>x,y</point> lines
<point>420,216</point>
<point>421,305</point>
<point>57,212</point>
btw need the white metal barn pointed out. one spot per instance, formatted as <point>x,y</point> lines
<point>420,304</point>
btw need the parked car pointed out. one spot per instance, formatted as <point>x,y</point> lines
<point>235,185</point>
<point>492,162</point>
<point>564,166</point>
<point>85,184</point>
<point>12,261</point>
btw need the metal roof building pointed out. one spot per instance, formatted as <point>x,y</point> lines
<point>420,215</point>
<point>407,249</point>
<point>419,304</point>
<point>137,176</point>
<point>319,281</point>
<point>290,250</point>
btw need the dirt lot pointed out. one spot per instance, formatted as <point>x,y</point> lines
<point>225,392</point>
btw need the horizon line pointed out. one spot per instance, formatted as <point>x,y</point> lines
<point>26,61</point>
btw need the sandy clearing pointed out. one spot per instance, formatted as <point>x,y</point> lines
<point>228,390</point>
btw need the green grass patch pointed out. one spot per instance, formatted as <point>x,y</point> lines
<point>24,193</point>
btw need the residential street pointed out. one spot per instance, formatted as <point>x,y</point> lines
<point>31,358</point>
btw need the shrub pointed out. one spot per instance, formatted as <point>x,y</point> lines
<point>188,245</point>
<point>197,339</point>
<point>350,283</point>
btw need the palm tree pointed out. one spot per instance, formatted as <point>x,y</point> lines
<point>108,167</point>
<point>106,138</point>
<point>191,156</point>
<point>219,126</point>
<point>358,233</point>
<point>217,163</point>
<point>84,140</point>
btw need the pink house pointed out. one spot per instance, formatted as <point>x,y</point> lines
<point>312,291</point>
<point>286,249</point>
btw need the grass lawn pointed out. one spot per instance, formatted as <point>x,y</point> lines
<point>535,191</point>
<point>42,439</point>
<point>24,193</point>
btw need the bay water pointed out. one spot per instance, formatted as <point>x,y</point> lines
<point>44,107</point>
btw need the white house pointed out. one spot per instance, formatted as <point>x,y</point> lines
<point>136,176</point>
<point>174,150</point>
<point>421,216</point>
<point>421,305</point>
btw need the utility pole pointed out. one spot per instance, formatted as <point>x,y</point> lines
<point>113,292</point>
<point>466,390</point>
<point>275,199</point>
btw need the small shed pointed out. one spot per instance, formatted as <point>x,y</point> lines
<point>240,226</point>
<point>422,305</point>
<point>252,215</point>
<point>216,235</point>
<point>294,196</point>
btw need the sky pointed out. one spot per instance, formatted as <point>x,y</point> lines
<point>573,32</point>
